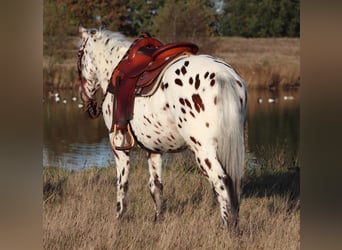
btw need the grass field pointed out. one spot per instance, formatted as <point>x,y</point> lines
<point>79,208</point>
<point>262,62</point>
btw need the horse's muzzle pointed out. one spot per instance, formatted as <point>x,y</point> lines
<point>92,109</point>
<point>91,106</point>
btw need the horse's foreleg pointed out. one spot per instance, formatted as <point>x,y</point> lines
<point>122,170</point>
<point>155,182</point>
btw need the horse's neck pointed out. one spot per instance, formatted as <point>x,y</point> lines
<point>107,57</point>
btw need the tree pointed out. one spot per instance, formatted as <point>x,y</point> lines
<point>265,18</point>
<point>110,13</point>
<point>190,20</point>
<point>55,28</point>
<point>140,14</point>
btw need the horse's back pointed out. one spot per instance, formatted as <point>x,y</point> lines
<point>186,106</point>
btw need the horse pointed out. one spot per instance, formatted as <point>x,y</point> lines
<point>200,103</point>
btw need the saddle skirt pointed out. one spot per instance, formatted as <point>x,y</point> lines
<point>145,60</point>
<point>152,79</point>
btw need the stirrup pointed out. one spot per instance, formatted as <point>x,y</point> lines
<point>123,146</point>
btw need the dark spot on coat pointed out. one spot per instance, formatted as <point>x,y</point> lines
<point>186,63</point>
<point>204,172</point>
<point>208,163</point>
<point>206,75</point>
<point>158,184</point>
<point>191,81</point>
<point>125,186</point>
<point>212,75</point>
<point>198,103</point>
<point>179,82</point>
<point>212,82</point>
<point>177,71</point>
<point>183,69</point>
<point>181,100</point>
<point>238,82</point>
<point>147,120</point>
<point>193,139</point>
<point>188,103</point>
<point>197,82</point>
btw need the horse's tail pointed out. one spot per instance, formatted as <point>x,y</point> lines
<point>231,147</point>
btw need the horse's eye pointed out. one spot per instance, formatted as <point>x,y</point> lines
<point>93,31</point>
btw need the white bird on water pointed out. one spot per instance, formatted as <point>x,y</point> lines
<point>57,97</point>
<point>288,97</point>
<point>271,100</point>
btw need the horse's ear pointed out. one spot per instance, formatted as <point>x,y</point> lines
<point>81,30</point>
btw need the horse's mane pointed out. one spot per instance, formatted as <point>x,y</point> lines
<point>112,35</point>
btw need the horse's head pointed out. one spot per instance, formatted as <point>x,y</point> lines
<point>87,70</point>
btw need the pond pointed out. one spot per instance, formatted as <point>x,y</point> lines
<point>74,141</point>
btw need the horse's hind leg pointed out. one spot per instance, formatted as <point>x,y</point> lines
<point>155,182</point>
<point>122,169</point>
<point>212,169</point>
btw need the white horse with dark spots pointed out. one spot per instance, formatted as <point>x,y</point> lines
<point>200,103</point>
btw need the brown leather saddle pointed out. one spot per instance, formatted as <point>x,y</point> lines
<point>136,73</point>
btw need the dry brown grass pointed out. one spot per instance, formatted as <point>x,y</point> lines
<point>262,62</point>
<point>79,211</point>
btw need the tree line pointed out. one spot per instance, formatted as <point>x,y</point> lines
<point>247,18</point>
<point>171,19</point>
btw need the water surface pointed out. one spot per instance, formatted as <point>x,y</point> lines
<point>74,141</point>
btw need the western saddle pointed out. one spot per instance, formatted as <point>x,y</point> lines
<point>135,75</point>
